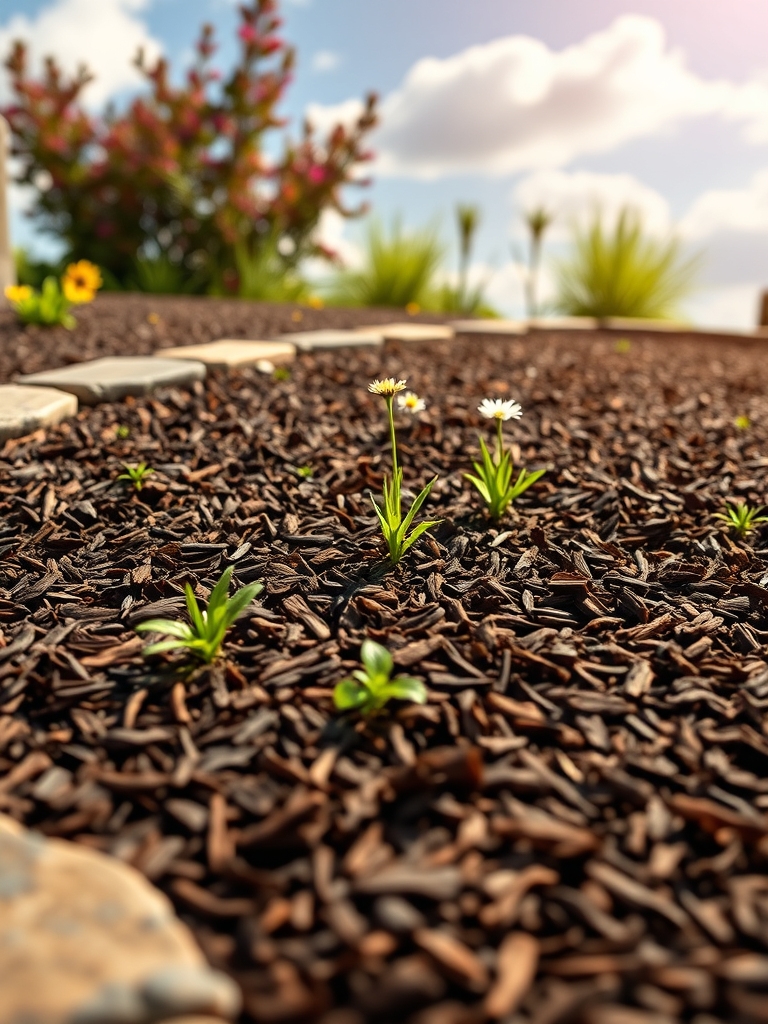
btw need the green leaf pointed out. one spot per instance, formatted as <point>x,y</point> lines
<point>348,695</point>
<point>417,531</point>
<point>217,602</point>
<point>418,501</point>
<point>163,645</point>
<point>377,659</point>
<point>240,601</point>
<point>405,688</point>
<point>194,611</point>
<point>171,627</point>
<point>480,485</point>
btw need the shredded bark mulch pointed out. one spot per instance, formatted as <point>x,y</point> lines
<point>573,829</point>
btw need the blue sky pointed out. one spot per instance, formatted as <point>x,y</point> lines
<point>662,104</point>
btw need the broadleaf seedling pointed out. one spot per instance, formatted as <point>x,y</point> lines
<point>369,689</point>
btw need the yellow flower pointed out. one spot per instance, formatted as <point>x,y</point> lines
<point>387,387</point>
<point>413,309</point>
<point>81,281</point>
<point>18,293</point>
<point>742,423</point>
<point>315,302</point>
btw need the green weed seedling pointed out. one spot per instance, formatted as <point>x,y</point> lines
<point>305,472</point>
<point>369,689</point>
<point>136,475</point>
<point>742,518</point>
<point>493,475</point>
<point>394,526</point>
<point>203,636</point>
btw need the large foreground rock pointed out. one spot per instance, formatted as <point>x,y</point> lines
<point>115,377</point>
<point>85,939</point>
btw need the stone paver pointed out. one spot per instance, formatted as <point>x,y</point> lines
<point>230,353</point>
<point>630,323</point>
<point>307,341</point>
<point>489,327</point>
<point>26,409</point>
<point>85,939</point>
<point>115,377</point>
<point>413,332</point>
<point>563,323</point>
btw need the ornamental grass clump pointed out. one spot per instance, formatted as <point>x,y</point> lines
<point>493,474</point>
<point>741,518</point>
<point>203,636</point>
<point>52,303</point>
<point>394,527</point>
<point>369,689</point>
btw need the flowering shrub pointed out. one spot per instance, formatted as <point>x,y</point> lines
<point>493,474</point>
<point>52,303</point>
<point>181,175</point>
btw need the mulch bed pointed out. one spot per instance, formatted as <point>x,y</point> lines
<point>573,829</point>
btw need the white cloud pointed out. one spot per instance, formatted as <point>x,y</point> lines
<point>574,197</point>
<point>726,210</point>
<point>514,104</point>
<point>103,34</point>
<point>325,60</point>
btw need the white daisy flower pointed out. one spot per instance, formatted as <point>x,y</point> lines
<point>387,387</point>
<point>410,402</point>
<point>498,409</point>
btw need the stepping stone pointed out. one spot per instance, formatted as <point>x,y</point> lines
<point>413,332</point>
<point>563,323</point>
<point>229,354</point>
<point>629,323</point>
<point>489,327</point>
<point>115,377</point>
<point>307,341</point>
<point>86,939</point>
<point>25,409</point>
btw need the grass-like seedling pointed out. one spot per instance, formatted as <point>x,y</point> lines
<point>369,689</point>
<point>305,472</point>
<point>741,518</point>
<point>394,526</point>
<point>136,475</point>
<point>203,636</point>
<point>51,305</point>
<point>493,475</point>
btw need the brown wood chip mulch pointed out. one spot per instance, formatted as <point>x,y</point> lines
<point>573,829</point>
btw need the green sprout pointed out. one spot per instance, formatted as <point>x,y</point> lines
<point>136,475</point>
<point>370,688</point>
<point>204,635</point>
<point>623,346</point>
<point>281,373</point>
<point>742,423</point>
<point>742,518</point>
<point>123,432</point>
<point>393,526</point>
<point>305,472</point>
<point>493,477</point>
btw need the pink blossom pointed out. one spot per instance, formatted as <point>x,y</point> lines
<point>316,174</point>
<point>248,34</point>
